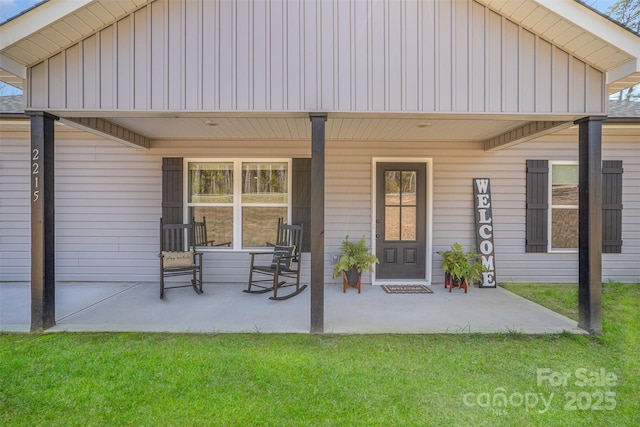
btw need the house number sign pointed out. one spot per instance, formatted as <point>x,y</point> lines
<point>484,230</point>
<point>35,175</point>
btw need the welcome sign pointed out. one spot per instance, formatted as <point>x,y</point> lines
<point>484,230</point>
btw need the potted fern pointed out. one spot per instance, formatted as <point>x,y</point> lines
<point>354,258</point>
<point>461,268</point>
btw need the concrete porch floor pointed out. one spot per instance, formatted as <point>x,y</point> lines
<point>224,308</point>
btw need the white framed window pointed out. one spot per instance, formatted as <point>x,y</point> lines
<point>241,199</point>
<point>563,206</point>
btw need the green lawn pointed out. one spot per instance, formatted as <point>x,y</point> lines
<point>293,380</point>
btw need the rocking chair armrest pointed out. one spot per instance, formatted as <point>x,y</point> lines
<point>212,243</point>
<point>160,254</point>
<point>261,253</point>
<point>253,255</point>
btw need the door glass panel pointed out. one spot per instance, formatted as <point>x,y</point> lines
<point>392,188</point>
<point>408,223</point>
<point>409,188</point>
<point>392,223</point>
<point>400,205</point>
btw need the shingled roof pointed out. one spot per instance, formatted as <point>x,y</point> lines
<point>624,109</point>
<point>11,104</point>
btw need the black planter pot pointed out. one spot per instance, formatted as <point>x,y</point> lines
<point>352,276</point>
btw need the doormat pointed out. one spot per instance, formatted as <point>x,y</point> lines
<point>406,289</point>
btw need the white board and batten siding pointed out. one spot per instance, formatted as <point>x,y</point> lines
<point>444,56</point>
<point>108,204</point>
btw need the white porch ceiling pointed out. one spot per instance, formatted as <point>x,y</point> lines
<point>299,128</point>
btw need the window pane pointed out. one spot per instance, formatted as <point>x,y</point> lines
<point>408,223</point>
<point>392,187</point>
<point>564,226</point>
<point>264,182</point>
<point>392,223</point>
<point>259,225</point>
<point>219,222</point>
<point>409,188</point>
<point>210,182</point>
<point>564,187</point>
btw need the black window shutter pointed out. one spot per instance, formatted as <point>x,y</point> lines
<point>537,205</point>
<point>172,190</point>
<point>612,206</point>
<point>301,199</point>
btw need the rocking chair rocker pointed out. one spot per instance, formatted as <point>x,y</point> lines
<point>284,269</point>
<point>178,256</point>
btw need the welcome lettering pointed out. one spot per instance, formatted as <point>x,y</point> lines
<point>484,230</point>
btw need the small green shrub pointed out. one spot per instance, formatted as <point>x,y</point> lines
<point>354,255</point>
<point>463,266</point>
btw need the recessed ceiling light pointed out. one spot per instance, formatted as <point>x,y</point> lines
<point>424,125</point>
<point>210,123</point>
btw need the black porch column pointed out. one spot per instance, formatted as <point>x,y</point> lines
<point>590,225</point>
<point>317,221</point>
<point>41,170</point>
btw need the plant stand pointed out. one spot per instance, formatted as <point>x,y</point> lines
<point>450,283</point>
<point>462,285</point>
<point>346,284</point>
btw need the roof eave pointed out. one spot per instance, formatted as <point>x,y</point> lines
<point>39,17</point>
<point>596,24</point>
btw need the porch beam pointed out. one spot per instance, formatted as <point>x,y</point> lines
<point>590,224</point>
<point>42,173</point>
<point>524,133</point>
<point>109,130</point>
<point>317,221</point>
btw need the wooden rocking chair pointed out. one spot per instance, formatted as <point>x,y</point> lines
<point>284,268</point>
<point>178,256</point>
<point>201,234</point>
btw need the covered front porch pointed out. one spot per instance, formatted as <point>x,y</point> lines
<point>240,90</point>
<point>224,308</point>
